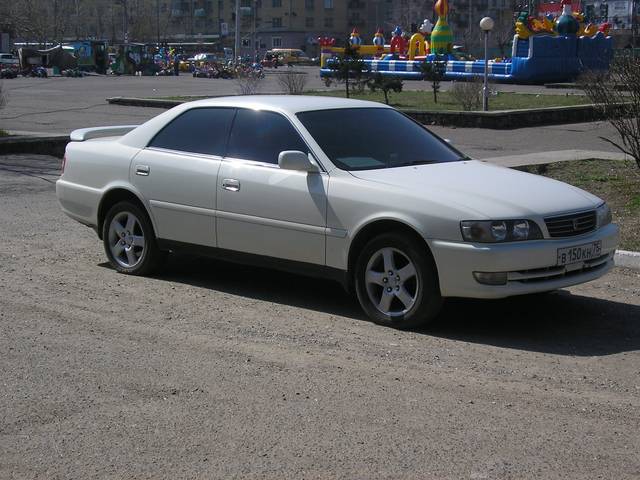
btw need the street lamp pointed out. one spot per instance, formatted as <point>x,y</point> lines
<point>486,24</point>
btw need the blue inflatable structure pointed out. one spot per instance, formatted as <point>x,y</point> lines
<point>538,59</point>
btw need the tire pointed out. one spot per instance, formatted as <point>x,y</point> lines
<point>397,282</point>
<point>129,241</point>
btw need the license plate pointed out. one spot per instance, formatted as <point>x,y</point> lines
<point>580,253</point>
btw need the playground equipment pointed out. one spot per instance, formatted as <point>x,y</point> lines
<point>544,49</point>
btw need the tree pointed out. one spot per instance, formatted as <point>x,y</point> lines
<point>504,28</point>
<point>349,69</point>
<point>434,72</point>
<point>620,106</point>
<point>386,84</point>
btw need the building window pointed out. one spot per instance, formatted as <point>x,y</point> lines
<point>309,22</point>
<point>309,4</point>
<point>328,22</point>
<point>276,22</point>
<point>328,3</point>
<point>276,42</point>
<point>276,3</point>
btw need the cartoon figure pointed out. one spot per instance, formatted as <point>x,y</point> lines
<point>522,29</point>
<point>441,37</point>
<point>567,23</point>
<point>378,38</point>
<point>604,28</point>
<point>418,43</point>
<point>355,39</point>
<point>398,42</point>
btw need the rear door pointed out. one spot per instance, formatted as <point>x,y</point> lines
<point>177,174</point>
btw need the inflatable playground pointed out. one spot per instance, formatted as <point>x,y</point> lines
<point>545,49</point>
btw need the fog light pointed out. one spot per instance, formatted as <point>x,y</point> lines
<point>491,278</point>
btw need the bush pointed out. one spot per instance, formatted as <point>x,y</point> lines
<point>468,94</point>
<point>434,72</point>
<point>292,83</point>
<point>349,69</point>
<point>617,96</point>
<point>248,84</point>
<point>385,84</point>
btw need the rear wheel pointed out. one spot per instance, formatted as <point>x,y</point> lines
<point>129,241</point>
<point>396,282</point>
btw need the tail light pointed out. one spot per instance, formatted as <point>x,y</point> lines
<point>64,162</point>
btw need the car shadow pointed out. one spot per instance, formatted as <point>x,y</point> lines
<point>559,323</point>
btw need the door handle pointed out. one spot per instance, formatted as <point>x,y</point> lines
<point>142,170</point>
<point>231,184</point>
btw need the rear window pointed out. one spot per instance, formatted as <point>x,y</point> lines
<point>199,130</point>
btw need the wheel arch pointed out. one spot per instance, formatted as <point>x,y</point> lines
<point>375,228</point>
<point>115,195</point>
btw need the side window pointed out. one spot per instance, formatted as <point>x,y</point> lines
<point>200,130</point>
<point>261,136</point>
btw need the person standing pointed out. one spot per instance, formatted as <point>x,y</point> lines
<point>176,65</point>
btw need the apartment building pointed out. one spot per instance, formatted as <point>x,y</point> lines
<point>267,24</point>
<point>264,24</point>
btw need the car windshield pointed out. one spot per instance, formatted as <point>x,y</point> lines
<point>372,138</point>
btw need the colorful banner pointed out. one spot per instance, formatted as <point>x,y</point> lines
<point>555,8</point>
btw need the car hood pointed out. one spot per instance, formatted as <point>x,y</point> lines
<point>484,190</point>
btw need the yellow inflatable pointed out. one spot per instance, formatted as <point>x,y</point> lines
<point>417,47</point>
<point>522,31</point>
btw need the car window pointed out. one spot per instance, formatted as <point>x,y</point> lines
<point>370,138</point>
<point>199,130</point>
<point>261,136</point>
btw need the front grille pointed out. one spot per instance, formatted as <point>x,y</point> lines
<point>571,225</point>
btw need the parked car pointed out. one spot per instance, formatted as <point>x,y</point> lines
<point>201,59</point>
<point>9,59</point>
<point>345,189</point>
<point>286,56</point>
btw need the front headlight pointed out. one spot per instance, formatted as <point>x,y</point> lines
<point>603,213</point>
<point>493,231</point>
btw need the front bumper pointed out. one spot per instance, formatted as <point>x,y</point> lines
<point>531,265</point>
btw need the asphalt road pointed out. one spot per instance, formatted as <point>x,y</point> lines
<point>212,370</point>
<point>59,105</point>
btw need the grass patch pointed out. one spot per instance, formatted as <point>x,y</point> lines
<point>616,181</point>
<point>446,102</point>
<point>4,133</point>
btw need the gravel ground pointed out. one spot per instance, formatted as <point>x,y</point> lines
<point>213,370</point>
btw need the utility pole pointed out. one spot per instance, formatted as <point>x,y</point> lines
<point>125,21</point>
<point>634,25</point>
<point>158,21</point>
<point>236,52</point>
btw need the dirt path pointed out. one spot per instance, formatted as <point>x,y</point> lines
<point>219,371</point>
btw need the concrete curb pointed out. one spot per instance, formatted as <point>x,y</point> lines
<point>496,120</point>
<point>627,259</point>
<point>40,145</point>
<point>544,158</point>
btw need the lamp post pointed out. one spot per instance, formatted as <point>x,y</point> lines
<point>486,24</point>
<point>236,50</point>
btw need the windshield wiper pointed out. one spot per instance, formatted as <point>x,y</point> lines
<point>418,162</point>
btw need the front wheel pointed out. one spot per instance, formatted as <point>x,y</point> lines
<point>129,241</point>
<point>396,282</point>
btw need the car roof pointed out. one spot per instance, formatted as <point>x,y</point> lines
<point>285,103</point>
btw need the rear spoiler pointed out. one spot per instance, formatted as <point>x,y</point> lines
<point>83,134</point>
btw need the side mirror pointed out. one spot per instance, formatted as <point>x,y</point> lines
<point>295,160</point>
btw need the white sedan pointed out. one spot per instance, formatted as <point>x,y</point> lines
<point>346,189</point>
